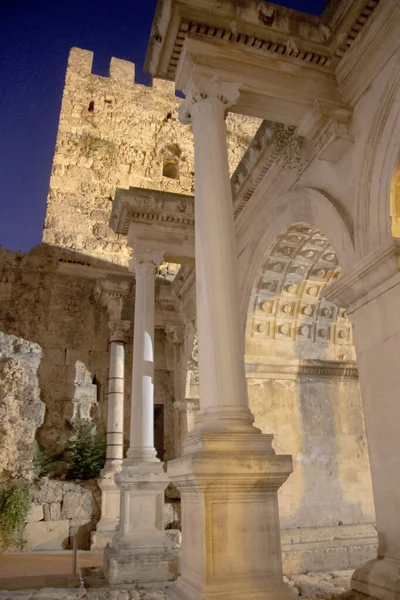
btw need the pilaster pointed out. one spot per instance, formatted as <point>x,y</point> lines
<point>371,294</point>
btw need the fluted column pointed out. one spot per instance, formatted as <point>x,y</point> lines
<point>223,388</point>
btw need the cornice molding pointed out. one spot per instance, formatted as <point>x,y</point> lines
<point>367,278</point>
<point>302,370</point>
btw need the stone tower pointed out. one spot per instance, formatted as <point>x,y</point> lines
<point>114,133</point>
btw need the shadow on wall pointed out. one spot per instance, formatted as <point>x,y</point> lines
<point>46,298</point>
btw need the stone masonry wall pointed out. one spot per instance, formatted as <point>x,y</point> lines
<point>113,134</point>
<point>21,410</point>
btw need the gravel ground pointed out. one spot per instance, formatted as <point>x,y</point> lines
<point>323,586</point>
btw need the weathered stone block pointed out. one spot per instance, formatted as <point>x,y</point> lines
<point>35,513</point>
<point>52,512</point>
<point>46,535</point>
<point>48,491</point>
<point>77,506</point>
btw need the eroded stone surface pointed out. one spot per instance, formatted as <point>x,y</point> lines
<point>21,410</point>
<point>112,134</point>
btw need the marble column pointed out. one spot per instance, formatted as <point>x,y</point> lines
<point>141,550</point>
<point>371,294</point>
<point>229,474</point>
<point>111,295</point>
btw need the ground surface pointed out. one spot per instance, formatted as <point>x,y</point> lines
<point>324,586</point>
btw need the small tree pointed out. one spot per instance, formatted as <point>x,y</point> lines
<point>86,450</point>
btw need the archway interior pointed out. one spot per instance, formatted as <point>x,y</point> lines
<point>287,304</point>
<point>303,387</point>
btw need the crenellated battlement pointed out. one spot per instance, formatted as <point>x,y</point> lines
<point>80,62</point>
<point>115,133</point>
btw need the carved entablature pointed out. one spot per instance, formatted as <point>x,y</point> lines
<point>264,27</point>
<point>287,301</point>
<point>111,295</point>
<point>144,206</point>
<point>171,217</point>
<point>327,126</point>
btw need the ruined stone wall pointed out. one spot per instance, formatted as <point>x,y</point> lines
<point>65,337</point>
<point>113,134</point>
<point>21,410</point>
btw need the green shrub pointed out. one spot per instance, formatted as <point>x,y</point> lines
<point>15,499</point>
<point>43,462</point>
<point>85,451</point>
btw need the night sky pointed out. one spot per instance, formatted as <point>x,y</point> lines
<point>35,39</point>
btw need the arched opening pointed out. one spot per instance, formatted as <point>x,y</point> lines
<point>303,388</point>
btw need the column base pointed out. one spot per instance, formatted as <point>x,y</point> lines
<point>230,521</point>
<point>225,419</point>
<point>379,578</point>
<point>230,590</point>
<point>141,550</point>
<point>152,558</point>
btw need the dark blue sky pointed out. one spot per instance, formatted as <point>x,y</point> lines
<point>35,39</point>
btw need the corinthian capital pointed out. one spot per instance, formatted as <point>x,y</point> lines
<point>202,88</point>
<point>140,260</point>
<point>118,329</point>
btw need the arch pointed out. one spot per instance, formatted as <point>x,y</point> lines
<point>374,203</point>
<point>305,205</point>
<point>301,372</point>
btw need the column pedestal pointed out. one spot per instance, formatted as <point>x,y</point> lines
<point>230,528</point>
<point>379,578</point>
<point>142,550</point>
<point>110,502</point>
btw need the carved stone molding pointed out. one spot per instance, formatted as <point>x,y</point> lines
<point>327,126</point>
<point>111,295</point>
<point>175,334</point>
<point>188,405</point>
<point>367,278</point>
<point>312,370</point>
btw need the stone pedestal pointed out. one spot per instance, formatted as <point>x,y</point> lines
<point>110,503</point>
<point>142,550</point>
<point>230,521</point>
